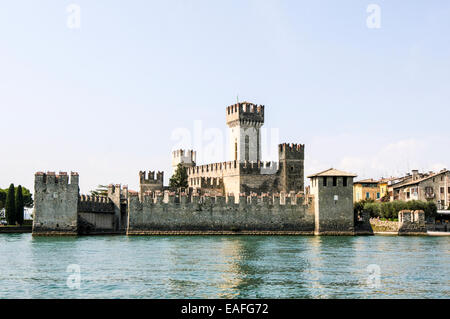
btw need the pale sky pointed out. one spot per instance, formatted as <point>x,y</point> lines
<point>109,98</point>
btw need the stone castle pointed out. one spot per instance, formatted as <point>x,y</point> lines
<point>246,173</point>
<point>241,196</point>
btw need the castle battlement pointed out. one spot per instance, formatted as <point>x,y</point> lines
<point>215,167</point>
<point>259,167</point>
<point>150,178</point>
<point>277,199</point>
<point>291,151</point>
<point>245,167</point>
<point>189,155</point>
<point>51,178</point>
<point>94,199</point>
<point>117,189</point>
<point>95,204</point>
<point>245,113</point>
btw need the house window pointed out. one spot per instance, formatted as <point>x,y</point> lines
<point>408,194</point>
<point>334,180</point>
<point>367,195</point>
<point>344,182</point>
<point>325,181</point>
<point>378,195</point>
<point>442,190</point>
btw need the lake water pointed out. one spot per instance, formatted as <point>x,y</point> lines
<point>225,267</point>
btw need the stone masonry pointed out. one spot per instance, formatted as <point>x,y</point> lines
<point>293,214</point>
<point>241,196</point>
<point>411,222</point>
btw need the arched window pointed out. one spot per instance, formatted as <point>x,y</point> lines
<point>247,148</point>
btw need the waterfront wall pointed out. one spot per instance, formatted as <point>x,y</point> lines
<point>411,222</point>
<point>219,215</point>
<point>363,226</point>
<point>383,225</point>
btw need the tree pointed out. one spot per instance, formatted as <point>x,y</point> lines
<point>386,198</point>
<point>19,205</point>
<point>10,209</point>
<point>27,197</point>
<point>179,178</point>
<point>2,198</point>
<point>101,190</point>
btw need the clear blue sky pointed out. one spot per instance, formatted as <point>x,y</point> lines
<point>105,99</point>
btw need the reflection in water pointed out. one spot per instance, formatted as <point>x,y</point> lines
<point>231,254</point>
<point>316,266</point>
<point>224,266</point>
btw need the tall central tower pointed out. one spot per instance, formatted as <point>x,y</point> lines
<point>245,120</point>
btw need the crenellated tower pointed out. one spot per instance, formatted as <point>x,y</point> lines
<point>185,157</point>
<point>245,120</point>
<point>291,167</point>
<point>149,182</point>
<point>55,203</point>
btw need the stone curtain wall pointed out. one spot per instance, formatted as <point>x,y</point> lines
<point>218,215</point>
<point>383,225</point>
<point>410,223</point>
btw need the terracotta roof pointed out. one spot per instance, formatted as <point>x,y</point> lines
<point>417,181</point>
<point>333,172</point>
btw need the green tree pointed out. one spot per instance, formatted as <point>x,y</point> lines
<point>359,206</point>
<point>389,210</point>
<point>2,198</point>
<point>27,197</point>
<point>101,190</point>
<point>19,205</point>
<point>10,208</point>
<point>179,178</point>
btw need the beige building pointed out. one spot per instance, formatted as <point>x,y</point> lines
<point>366,189</point>
<point>432,187</point>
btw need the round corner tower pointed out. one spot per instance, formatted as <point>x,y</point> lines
<point>245,120</point>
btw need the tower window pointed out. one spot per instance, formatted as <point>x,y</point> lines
<point>247,148</point>
<point>344,181</point>
<point>334,181</point>
<point>292,168</point>
<point>235,150</point>
<point>325,181</point>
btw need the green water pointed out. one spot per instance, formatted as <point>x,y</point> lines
<point>225,267</point>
